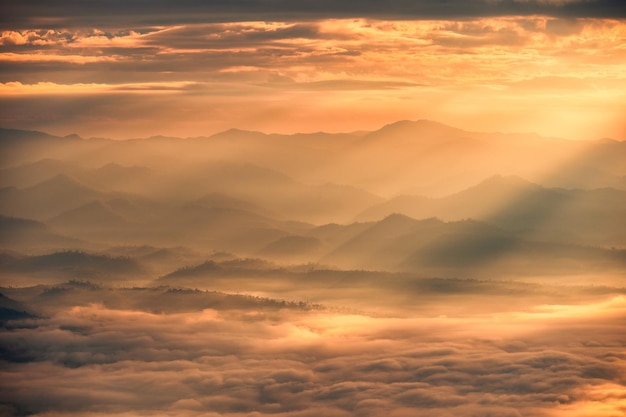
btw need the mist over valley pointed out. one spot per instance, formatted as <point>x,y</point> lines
<point>418,269</point>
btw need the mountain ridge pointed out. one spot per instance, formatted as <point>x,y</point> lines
<point>420,124</point>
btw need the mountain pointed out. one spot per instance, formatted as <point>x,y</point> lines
<point>223,269</point>
<point>96,219</point>
<point>13,137</point>
<point>8,135</point>
<point>301,156</point>
<point>115,177</point>
<point>491,196</point>
<point>214,225</point>
<point>27,175</point>
<point>238,135</point>
<point>581,216</point>
<point>411,155</point>
<point>292,249</point>
<point>20,146</point>
<point>576,175</point>
<point>431,246</point>
<point>46,199</point>
<point>64,200</point>
<point>11,309</point>
<point>218,200</point>
<point>75,259</point>
<point>110,177</point>
<point>52,299</point>
<point>338,203</point>
<point>295,198</point>
<point>407,133</point>
<point>72,264</point>
<point>410,205</point>
<point>507,255</point>
<point>269,191</point>
<point>372,248</point>
<point>605,154</point>
<point>399,158</point>
<point>30,235</point>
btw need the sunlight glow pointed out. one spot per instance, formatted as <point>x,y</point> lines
<point>480,72</point>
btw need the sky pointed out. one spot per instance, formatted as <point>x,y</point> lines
<point>124,69</point>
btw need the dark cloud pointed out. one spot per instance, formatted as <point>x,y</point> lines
<point>225,36</point>
<point>240,45</point>
<point>140,13</point>
<point>194,53</point>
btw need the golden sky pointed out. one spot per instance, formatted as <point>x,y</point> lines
<point>557,68</point>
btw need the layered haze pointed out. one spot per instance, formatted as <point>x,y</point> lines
<point>290,209</point>
<point>418,269</point>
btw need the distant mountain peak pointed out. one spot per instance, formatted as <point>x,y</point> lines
<point>496,187</point>
<point>17,135</point>
<point>421,124</point>
<point>397,217</point>
<point>73,136</point>
<point>9,223</point>
<point>508,180</point>
<point>60,180</point>
<point>400,221</point>
<point>61,185</point>
<point>238,133</point>
<point>94,213</point>
<point>407,132</point>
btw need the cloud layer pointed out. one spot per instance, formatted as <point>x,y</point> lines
<point>91,360</point>
<point>67,13</point>
<point>484,64</point>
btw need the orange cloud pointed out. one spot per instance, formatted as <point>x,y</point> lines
<point>46,88</point>
<point>89,358</point>
<point>556,76</point>
<point>67,59</point>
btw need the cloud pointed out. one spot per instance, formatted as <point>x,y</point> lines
<point>93,360</point>
<point>34,37</point>
<point>132,13</point>
<point>304,71</point>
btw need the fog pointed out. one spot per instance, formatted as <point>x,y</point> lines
<point>236,355</point>
<point>417,269</point>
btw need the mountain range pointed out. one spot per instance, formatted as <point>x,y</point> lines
<point>413,196</point>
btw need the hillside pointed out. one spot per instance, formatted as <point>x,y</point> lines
<point>332,198</point>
